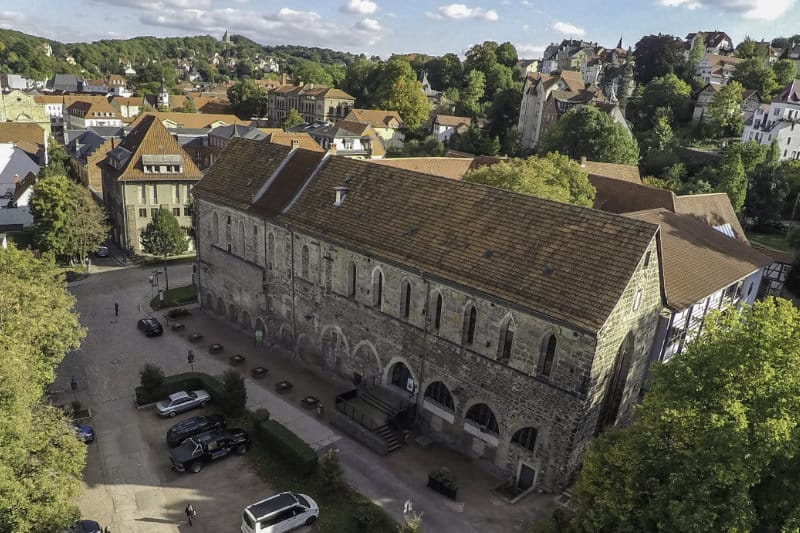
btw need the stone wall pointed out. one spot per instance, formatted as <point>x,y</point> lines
<point>303,293</point>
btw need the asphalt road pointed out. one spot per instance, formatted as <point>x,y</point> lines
<point>129,485</point>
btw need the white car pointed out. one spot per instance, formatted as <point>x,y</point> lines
<point>182,401</point>
<point>283,512</point>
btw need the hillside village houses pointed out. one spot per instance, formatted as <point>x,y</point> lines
<point>716,42</point>
<point>445,126</point>
<point>386,124</point>
<point>717,69</point>
<point>315,103</point>
<point>778,122</point>
<point>750,101</point>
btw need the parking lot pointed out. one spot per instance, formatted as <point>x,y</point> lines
<point>130,486</point>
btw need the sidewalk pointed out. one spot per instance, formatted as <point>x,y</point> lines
<point>389,481</point>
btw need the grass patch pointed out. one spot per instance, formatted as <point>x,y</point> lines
<point>776,240</point>
<point>338,510</point>
<point>175,296</point>
<point>149,260</point>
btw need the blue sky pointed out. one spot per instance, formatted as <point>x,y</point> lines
<point>384,27</point>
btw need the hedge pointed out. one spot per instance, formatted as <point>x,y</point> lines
<point>186,381</point>
<point>281,441</point>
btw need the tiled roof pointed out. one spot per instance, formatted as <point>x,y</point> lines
<point>237,130</point>
<point>289,138</point>
<point>612,170</point>
<point>93,109</point>
<point>534,253</point>
<point>377,118</point>
<point>622,196</point>
<point>714,209</point>
<point>450,120</point>
<point>23,185</point>
<point>15,132</point>
<point>148,136</point>
<point>197,120</point>
<point>537,254</point>
<point>357,128</point>
<point>696,259</point>
<point>791,93</point>
<point>445,167</point>
<point>241,170</point>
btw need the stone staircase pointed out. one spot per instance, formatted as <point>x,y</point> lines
<point>389,437</point>
<point>378,403</point>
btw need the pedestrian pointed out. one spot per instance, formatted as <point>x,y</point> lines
<point>408,507</point>
<point>190,513</point>
<point>116,309</point>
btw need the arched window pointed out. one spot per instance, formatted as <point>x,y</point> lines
<point>377,288</point>
<point>400,376</point>
<point>215,229</point>
<point>352,280</point>
<point>255,244</point>
<point>242,246</point>
<point>470,317</point>
<point>506,341</point>
<point>525,437</point>
<point>437,313</point>
<point>547,356</point>
<point>438,393</point>
<point>228,238</point>
<point>405,304</point>
<point>270,250</point>
<point>304,263</point>
<point>482,416</point>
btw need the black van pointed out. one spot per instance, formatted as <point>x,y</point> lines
<point>193,426</point>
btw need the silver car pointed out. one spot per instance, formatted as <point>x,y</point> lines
<point>182,401</point>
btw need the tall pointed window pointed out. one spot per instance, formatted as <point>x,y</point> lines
<point>506,341</point>
<point>352,280</point>
<point>377,288</point>
<point>437,313</point>
<point>548,356</point>
<point>304,263</point>
<point>215,228</point>
<point>405,305</point>
<point>270,250</point>
<point>470,317</point>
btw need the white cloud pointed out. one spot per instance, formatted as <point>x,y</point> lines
<point>360,7</point>
<point>749,9</point>
<point>9,18</point>
<point>462,11</point>
<point>369,25</point>
<point>568,29</point>
<point>533,51</point>
<point>158,4</point>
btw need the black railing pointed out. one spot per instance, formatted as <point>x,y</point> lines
<point>343,405</point>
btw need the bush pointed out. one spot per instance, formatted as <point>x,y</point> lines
<point>178,312</point>
<point>288,446</point>
<point>330,472</point>
<point>261,415</point>
<point>151,376</point>
<point>186,381</point>
<point>367,517</point>
<point>234,397</point>
<point>411,524</point>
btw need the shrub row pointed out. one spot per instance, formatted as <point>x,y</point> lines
<point>281,441</point>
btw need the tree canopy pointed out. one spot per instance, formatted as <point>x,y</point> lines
<point>715,445</point>
<point>41,462</point>
<point>248,99</point>
<point>756,74</point>
<point>552,176</point>
<point>724,112</point>
<point>400,91</point>
<point>164,237</point>
<point>656,56</point>
<point>589,132</point>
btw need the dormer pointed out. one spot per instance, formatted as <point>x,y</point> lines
<point>162,164</point>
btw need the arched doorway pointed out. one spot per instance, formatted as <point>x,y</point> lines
<point>364,363</point>
<point>209,302</point>
<point>220,306</point>
<point>616,387</point>
<point>261,332</point>
<point>246,322</point>
<point>233,314</point>
<point>400,376</point>
<point>334,349</point>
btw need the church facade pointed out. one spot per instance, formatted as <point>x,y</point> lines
<point>519,327</point>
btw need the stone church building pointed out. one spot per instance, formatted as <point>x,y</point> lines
<point>517,327</point>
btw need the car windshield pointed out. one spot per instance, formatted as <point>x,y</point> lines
<point>192,395</point>
<point>247,520</point>
<point>302,501</point>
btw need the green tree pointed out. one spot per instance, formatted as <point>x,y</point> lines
<point>697,53</point>
<point>724,112</point>
<point>553,176</point>
<point>330,471</point>
<point>475,141</point>
<point>785,72</point>
<point>234,394</point>
<point>755,74</point>
<point>248,99</point>
<point>588,132</point>
<point>732,179</point>
<point>469,97</point>
<point>312,72</point>
<point>506,55</point>
<point>41,462</point>
<point>715,445</point>
<point>400,91</point>
<point>164,237</point>
<point>86,227</point>
<point>292,119</point>
<point>188,106</point>
<point>666,91</point>
<point>658,55</point>
<point>50,207</point>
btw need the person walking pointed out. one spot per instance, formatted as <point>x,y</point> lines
<point>116,309</point>
<point>190,513</point>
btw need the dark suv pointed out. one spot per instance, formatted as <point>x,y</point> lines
<point>206,447</point>
<point>193,426</point>
<point>150,326</point>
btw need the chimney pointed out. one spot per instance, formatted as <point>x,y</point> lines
<point>583,162</point>
<point>284,78</point>
<point>341,194</point>
<point>332,149</point>
<point>295,144</point>
<point>16,180</point>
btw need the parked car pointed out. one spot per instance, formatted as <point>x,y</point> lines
<point>85,526</point>
<point>182,401</point>
<point>102,251</point>
<point>206,447</point>
<point>150,326</point>
<point>193,426</point>
<point>83,432</point>
<point>283,512</point>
